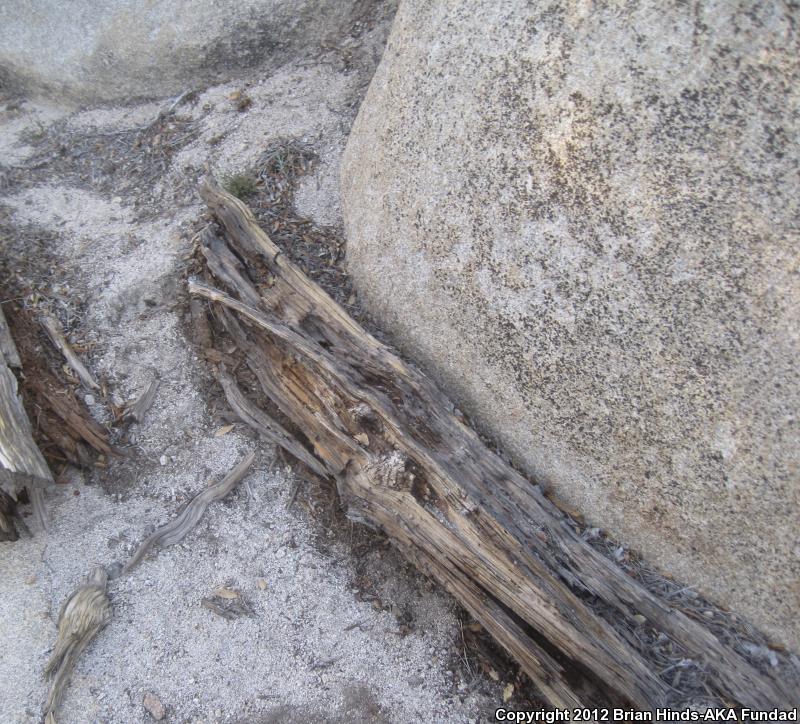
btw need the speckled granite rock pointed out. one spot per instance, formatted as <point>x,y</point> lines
<point>584,222</point>
<point>88,50</point>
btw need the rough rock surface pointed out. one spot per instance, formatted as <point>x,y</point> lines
<point>125,48</point>
<point>584,221</point>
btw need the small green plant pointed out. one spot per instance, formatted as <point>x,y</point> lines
<point>240,185</point>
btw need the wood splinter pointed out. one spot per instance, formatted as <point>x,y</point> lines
<point>137,409</point>
<point>53,329</point>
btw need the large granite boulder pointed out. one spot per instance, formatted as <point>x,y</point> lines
<point>89,50</point>
<point>582,218</point>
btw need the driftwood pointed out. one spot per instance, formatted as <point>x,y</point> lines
<point>404,462</point>
<point>84,614</point>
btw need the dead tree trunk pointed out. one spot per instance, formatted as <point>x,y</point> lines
<point>22,462</point>
<point>404,462</point>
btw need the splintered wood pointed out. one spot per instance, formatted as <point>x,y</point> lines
<point>64,428</point>
<point>21,462</point>
<point>405,463</point>
<point>43,422</point>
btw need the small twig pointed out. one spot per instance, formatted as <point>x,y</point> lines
<point>163,113</point>
<point>679,591</point>
<point>325,664</point>
<point>294,491</point>
<point>176,530</point>
<point>229,609</point>
<point>178,100</point>
<point>53,329</point>
<point>464,644</point>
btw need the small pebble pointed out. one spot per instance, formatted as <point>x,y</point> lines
<point>163,460</point>
<point>154,706</point>
<point>89,399</point>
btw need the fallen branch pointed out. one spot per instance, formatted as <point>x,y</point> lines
<point>405,463</point>
<point>53,329</point>
<point>177,529</point>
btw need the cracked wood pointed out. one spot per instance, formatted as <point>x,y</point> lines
<point>405,463</point>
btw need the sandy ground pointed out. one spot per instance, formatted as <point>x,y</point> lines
<point>315,648</point>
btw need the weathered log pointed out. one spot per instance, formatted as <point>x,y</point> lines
<point>403,461</point>
<point>265,425</point>
<point>21,460</point>
<point>65,429</point>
